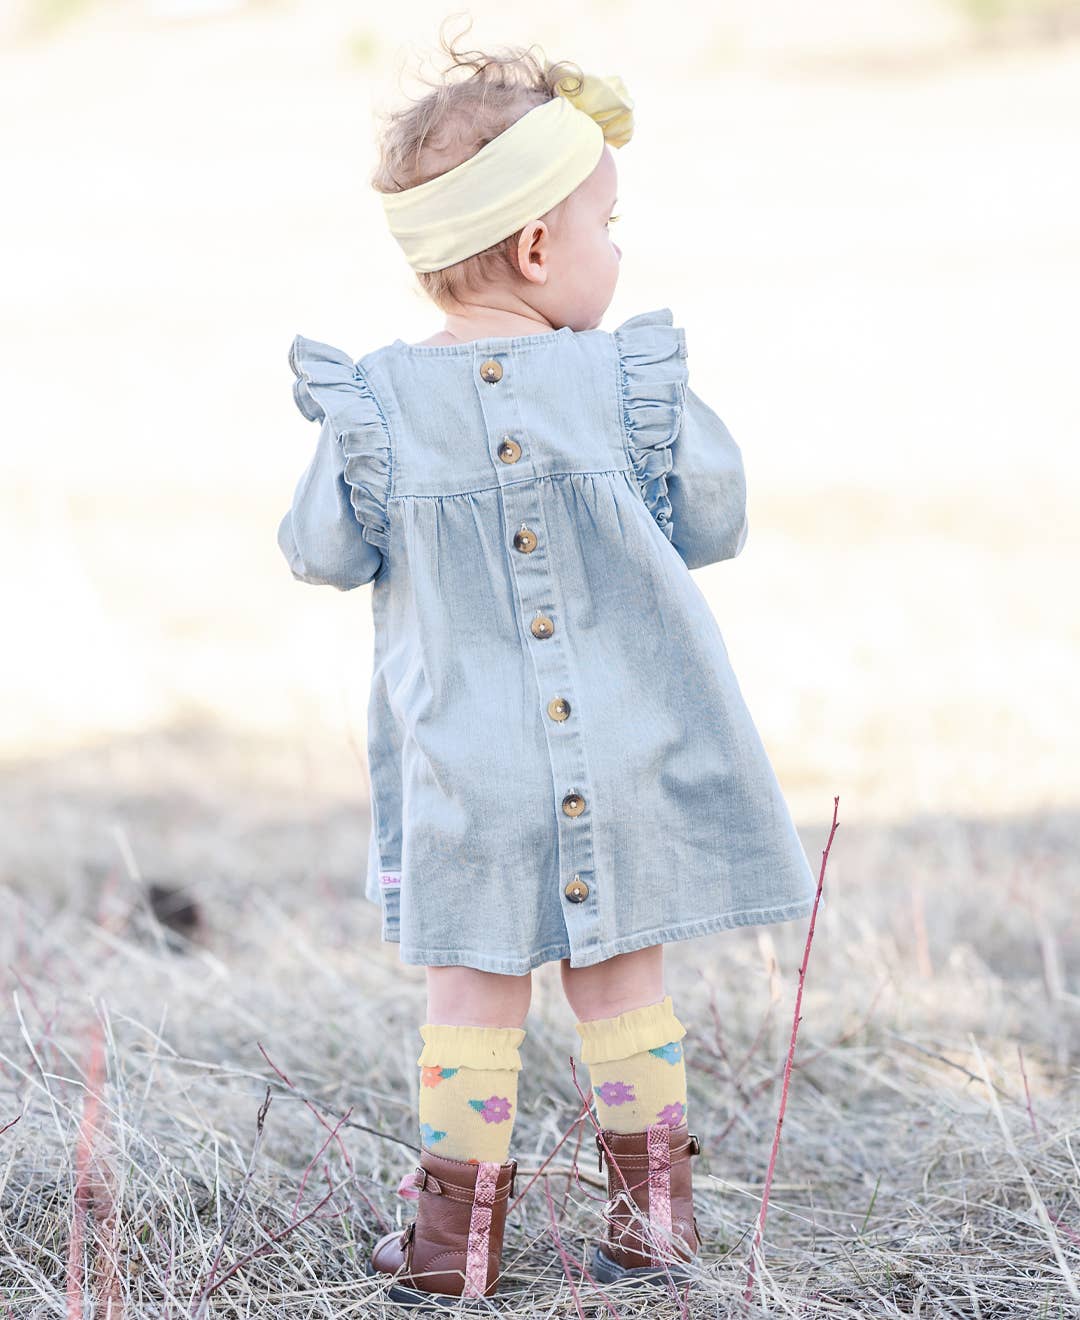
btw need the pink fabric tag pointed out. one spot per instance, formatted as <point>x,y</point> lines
<point>659,1142</point>
<point>408,1187</point>
<point>479,1244</point>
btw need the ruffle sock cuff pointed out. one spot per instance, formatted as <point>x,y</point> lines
<point>638,1029</point>
<point>453,1046</point>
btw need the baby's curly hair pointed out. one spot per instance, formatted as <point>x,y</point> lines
<point>450,124</point>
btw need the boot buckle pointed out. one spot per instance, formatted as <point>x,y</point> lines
<point>695,1145</point>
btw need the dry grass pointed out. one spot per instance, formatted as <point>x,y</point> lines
<point>944,949</point>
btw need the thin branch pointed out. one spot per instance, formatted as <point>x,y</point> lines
<point>199,1309</point>
<point>759,1234</point>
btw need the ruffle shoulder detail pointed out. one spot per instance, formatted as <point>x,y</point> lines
<point>653,378</point>
<point>330,385</point>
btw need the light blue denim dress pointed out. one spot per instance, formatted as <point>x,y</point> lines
<point>561,761</point>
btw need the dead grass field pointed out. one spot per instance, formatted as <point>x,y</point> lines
<point>942,967</point>
<point>870,235</point>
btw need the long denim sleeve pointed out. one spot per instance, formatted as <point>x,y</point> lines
<point>706,488</point>
<point>337,531</point>
<point>320,536</point>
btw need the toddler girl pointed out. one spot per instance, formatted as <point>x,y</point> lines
<point>562,766</point>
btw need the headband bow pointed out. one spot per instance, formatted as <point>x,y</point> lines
<point>605,100</point>
<point>520,174</point>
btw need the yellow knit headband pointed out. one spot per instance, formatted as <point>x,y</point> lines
<point>517,176</point>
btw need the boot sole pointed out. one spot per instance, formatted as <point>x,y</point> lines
<point>606,1270</point>
<point>429,1301</point>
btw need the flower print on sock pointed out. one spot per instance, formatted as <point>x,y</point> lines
<point>431,1134</point>
<point>672,1114</point>
<point>433,1075</point>
<point>670,1053</point>
<point>495,1109</point>
<point>615,1093</point>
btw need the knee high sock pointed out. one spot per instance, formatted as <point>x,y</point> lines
<point>468,1090</point>
<point>636,1067</point>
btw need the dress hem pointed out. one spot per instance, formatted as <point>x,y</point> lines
<point>659,935</point>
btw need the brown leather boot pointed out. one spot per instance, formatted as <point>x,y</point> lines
<point>453,1248</point>
<point>654,1228</point>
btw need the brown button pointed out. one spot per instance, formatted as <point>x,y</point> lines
<point>541,626</point>
<point>577,891</point>
<point>525,541</point>
<point>491,370</point>
<point>559,708</point>
<point>573,804</point>
<point>509,451</point>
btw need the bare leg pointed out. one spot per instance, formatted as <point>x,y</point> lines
<point>467,997</point>
<point>629,980</point>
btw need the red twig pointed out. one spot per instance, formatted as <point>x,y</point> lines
<point>613,1164</point>
<point>557,1238</point>
<point>360,1127</point>
<point>579,1124</point>
<point>565,1259</point>
<point>344,1121</point>
<point>759,1234</point>
<point>539,1172</point>
<point>311,1162</point>
<point>74,1280</point>
<point>264,1247</point>
<point>199,1308</point>
<point>94,1191</point>
<point>292,1087</point>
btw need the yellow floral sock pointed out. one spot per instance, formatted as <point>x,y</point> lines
<point>636,1067</point>
<point>468,1090</point>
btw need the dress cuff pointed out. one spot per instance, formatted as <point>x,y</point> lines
<point>632,1032</point>
<point>454,1046</point>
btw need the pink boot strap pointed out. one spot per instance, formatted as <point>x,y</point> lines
<point>479,1242</point>
<point>660,1177</point>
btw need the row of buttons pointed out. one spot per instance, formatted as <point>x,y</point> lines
<point>542,627</point>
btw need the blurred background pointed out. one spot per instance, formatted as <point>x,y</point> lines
<point>867,219</point>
